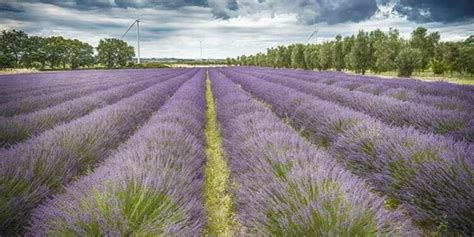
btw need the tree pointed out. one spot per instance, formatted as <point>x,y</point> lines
<point>56,51</point>
<point>408,61</point>
<point>309,60</point>
<point>325,56</point>
<point>347,44</point>
<point>425,44</point>
<point>114,52</point>
<point>360,53</point>
<point>283,57</point>
<point>35,55</point>
<point>338,53</point>
<point>386,51</point>
<point>466,59</point>
<point>80,54</point>
<point>297,57</point>
<point>376,37</point>
<point>12,46</point>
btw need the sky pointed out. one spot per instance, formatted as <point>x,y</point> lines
<point>229,28</point>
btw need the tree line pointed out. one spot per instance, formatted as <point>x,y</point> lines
<point>19,50</point>
<point>376,51</point>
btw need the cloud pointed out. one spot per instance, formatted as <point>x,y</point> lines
<point>244,26</point>
<point>436,10</point>
<point>307,11</point>
<point>4,7</point>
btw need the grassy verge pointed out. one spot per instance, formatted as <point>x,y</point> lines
<point>218,200</point>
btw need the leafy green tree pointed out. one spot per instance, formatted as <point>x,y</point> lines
<point>283,57</point>
<point>114,52</point>
<point>297,57</point>
<point>386,51</point>
<point>466,57</point>
<point>408,61</point>
<point>7,60</point>
<point>33,48</point>
<point>12,47</point>
<point>325,56</point>
<point>347,44</point>
<point>56,51</point>
<point>375,37</point>
<point>308,56</point>
<point>360,53</point>
<point>338,54</point>
<point>80,54</point>
<point>425,43</point>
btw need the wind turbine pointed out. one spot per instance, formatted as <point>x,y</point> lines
<point>137,21</point>
<point>200,47</point>
<point>312,34</point>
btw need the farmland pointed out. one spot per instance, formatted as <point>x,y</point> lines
<point>234,151</point>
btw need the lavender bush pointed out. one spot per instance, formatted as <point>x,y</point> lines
<point>286,187</point>
<point>437,88</point>
<point>32,170</point>
<point>20,127</point>
<point>34,103</point>
<point>387,109</point>
<point>40,83</point>
<point>152,184</point>
<point>430,175</point>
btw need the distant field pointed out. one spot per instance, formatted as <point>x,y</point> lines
<point>229,151</point>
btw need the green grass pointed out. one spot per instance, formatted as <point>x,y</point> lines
<point>218,200</point>
<point>133,209</point>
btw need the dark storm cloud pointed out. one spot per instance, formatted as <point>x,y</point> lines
<point>91,4</point>
<point>308,11</point>
<point>9,8</point>
<point>436,10</point>
<point>333,12</point>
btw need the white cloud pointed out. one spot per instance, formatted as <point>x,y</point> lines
<point>175,32</point>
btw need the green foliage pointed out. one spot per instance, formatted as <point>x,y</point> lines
<point>145,212</point>
<point>17,49</point>
<point>408,61</point>
<point>425,43</point>
<point>360,53</point>
<point>325,56</point>
<point>290,220</point>
<point>148,65</point>
<point>377,51</point>
<point>297,57</point>
<point>311,57</point>
<point>338,53</point>
<point>114,52</point>
<point>438,67</point>
<point>386,50</point>
<point>12,48</point>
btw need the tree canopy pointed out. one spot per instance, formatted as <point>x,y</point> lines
<point>376,50</point>
<point>18,50</point>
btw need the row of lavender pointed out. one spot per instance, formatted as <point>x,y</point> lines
<point>286,187</point>
<point>32,102</point>
<point>403,92</point>
<point>437,88</point>
<point>457,124</point>
<point>152,185</point>
<point>410,90</point>
<point>33,170</point>
<point>20,83</point>
<point>18,128</point>
<point>430,175</point>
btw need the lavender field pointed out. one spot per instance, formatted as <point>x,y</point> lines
<point>234,151</point>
